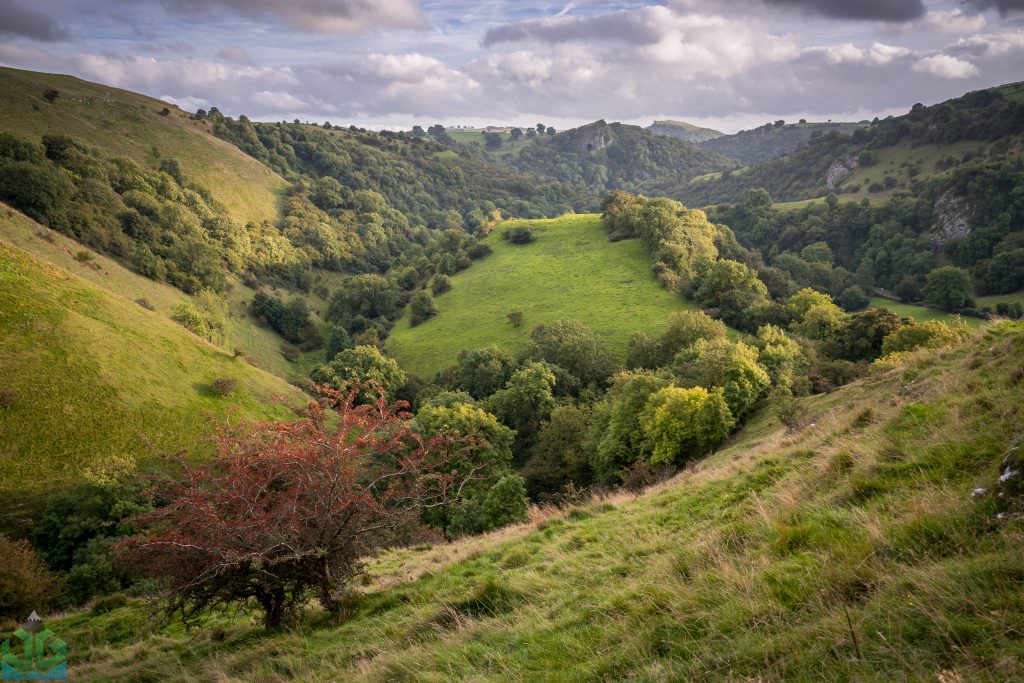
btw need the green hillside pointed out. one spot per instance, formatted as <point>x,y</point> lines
<point>684,131</point>
<point>94,383</point>
<point>132,125</point>
<point>772,140</point>
<point>571,271</point>
<point>851,550</point>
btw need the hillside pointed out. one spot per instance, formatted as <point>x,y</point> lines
<point>571,271</point>
<point>848,550</point>
<point>684,131</point>
<point>603,156</point>
<point>132,125</point>
<point>889,156</point>
<point>94,382</point>
<point>772,140</point>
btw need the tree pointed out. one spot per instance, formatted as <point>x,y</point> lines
<point>571,345</point>
<point>948,288</point>
<point>440,285</point>
<point>730,365</point>
<point>493,141</point>
<point>684,423</point>
<point>337,341</point>
<point>551,130</point>
<point>362,299</point>
<point>481,372</point>
<point>560,454</point>
<point>931,334</point>
<point>526,399</point>
<point>25,582</point>
<point>486,457</point>
<point>617,437</point>
<point>289,509</point>
<point>421,308</point>
<point>733,289</point>
<point>516,135</point>
<point>515,318</point>
<point>686,328</point>
<point>864,333</point>
<point>363,370</point>
<point>780,356</point>
<point>853,298</point>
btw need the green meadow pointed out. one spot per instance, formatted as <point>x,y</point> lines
<point>923,314</point>
<point>571,271</point>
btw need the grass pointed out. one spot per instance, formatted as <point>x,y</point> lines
<point>922,314</point>
<point>259,344</point>
<point>994,299</point>
<point>99,382</point>
<point>852,550</point>
<point>131,125</point>
<point>571,271</point>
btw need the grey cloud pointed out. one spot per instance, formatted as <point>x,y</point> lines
<point>16,20</point>
<point>632,27</point>
<point>318,16</point>
<point>876,10</point>
<point>1003,6</point>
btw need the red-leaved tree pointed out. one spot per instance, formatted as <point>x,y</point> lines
<point>286,510</point>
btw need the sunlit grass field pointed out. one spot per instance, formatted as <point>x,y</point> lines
<point>93,383</point>
<point>571,272</point>
<point>127,124</point>
<point>923,314</point>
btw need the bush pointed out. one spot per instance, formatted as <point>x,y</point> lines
<point>25,582</point>
<point>515,318</point>
<point>440,285</point>
<point>224,385</point>
<point>7,397</point>
<point>519,235</point>
<point>145,304</point>
<point>421,308</point>
<point>478,251</point>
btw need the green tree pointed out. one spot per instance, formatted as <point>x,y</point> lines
<point>733,289</point>
<point>864,333</point>
<point>421,308</point>
<point>337,341</point>
<point>362,299</point>
<point>931,334</point>
<point>560,454</point>
<point>781,356</point>
<point>681,424</point>
<point>361,369</point>
<point>948,288</point>
<point>733,366</point>
<point>481,372</point>
<point>527,398</point>
<point>571,345</point>
<point>616,437</point>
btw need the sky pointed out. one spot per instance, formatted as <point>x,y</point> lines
<point>727,64</point>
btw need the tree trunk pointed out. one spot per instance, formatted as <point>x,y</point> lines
<point>273,608</point>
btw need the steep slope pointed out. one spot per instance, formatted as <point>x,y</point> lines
<point>850,550</point>
<point>128,124</point>
<point>773,140</point>
<point>571,272</point>
<point>94,383</point>
<point>684,131</point>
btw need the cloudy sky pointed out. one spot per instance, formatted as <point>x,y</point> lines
<point>730,64</point>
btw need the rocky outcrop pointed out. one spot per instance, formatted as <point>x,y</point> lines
<point>838,171</point>
<point>594,136</point>
<point>952,219</point>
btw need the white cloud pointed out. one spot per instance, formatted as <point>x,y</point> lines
<point>318,16</point>
<point>954,21</point>
<point>945,66</point>
<point>277,101</point>
<point>992,44</point>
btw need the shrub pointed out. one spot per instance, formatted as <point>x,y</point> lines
<point>51,95</point>
<point>363,370</point>
<point>440,285</point>
<point>519,235</point>
<point>25,582</point>
<point>145,304</point>
<point>478,251</point>
<point>421,308</point>
<point>224,385</point>
<point>7,397</point>
<point>83,256</point>
<point>515,318</point>
<point>684,423</point>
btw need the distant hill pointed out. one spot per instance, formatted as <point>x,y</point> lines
<point>144,129</point>
<point>602,156</point>
<point>772,140</point>
<point>887,157</point>
<point>571,272</point>
<point>684,131</point>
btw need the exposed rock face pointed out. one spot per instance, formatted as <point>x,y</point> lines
<point>838,172</point>
<point>595,136</point>
<point>952,218</point>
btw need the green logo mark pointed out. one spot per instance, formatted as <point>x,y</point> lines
<point>44,655</point>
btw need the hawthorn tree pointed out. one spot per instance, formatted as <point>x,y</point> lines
<point>287,510</point>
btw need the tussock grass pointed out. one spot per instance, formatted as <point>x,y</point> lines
<point>849,551</point>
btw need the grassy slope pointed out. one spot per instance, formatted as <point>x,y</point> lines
<point>258,343</point>
<point>100,382</point>
<point>849,551</point>
<point>572,271</point>
<point>129,124</point>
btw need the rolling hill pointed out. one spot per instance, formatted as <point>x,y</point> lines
<point>850,550</point>
<point>684,131</point>
<point>571,271</point>
<point>135,126</point>
<point>772,140</point>
<point>94,382</point>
